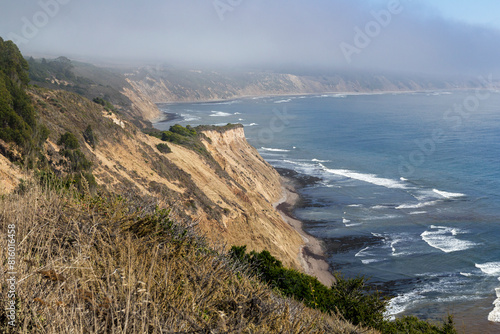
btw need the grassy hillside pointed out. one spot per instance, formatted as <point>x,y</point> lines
<point>102,85</point>
<point>105,264</point>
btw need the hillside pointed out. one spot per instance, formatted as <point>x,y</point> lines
<point>175,85</point>
<point>93,82</point>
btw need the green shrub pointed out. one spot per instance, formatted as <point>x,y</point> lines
<point>77,161</point>
<point>17,115</point>
<point>353,298</point>
<point>187,131</point>
<point>69,141</point>
<point>105,103</point>
<point>89,136</point>
<point>163,148</point>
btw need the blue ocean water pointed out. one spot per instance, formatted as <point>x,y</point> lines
<point>411,180</point>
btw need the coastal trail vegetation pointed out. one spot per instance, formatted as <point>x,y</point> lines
<point>353,299</point>
<point>102,263</point>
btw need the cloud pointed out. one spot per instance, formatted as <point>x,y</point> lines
<point>293,33</point>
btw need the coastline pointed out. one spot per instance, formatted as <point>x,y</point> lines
<point>346,93</point>
<point>312,254</point>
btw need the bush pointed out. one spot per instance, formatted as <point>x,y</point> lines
<point>105,103</point>
<point>77,161</point>
<point>187,131</point>
<point>163,148</point>
<point>69,141</point>
<point>353,298</point>
<point>17,115</point>
<point>89,136</point>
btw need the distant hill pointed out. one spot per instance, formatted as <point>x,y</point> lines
<point>93,83</point>
<point>176,85</point>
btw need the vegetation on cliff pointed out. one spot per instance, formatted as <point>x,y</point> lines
<point>108,264</point>
<point>18,119</point>
<point>353,299</point>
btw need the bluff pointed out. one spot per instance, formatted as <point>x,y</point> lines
<point>228,190</point>
<point>164,84</point>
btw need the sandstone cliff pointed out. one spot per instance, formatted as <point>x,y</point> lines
<point>228,192</point>
<point>175,85</point>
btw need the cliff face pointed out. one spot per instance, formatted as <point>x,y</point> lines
<point>235,211</point>
<point>251,218</point>
<point>141,105</point>
<point>228,191</point>
<point>173,85</point>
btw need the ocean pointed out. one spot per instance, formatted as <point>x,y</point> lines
<point>408,192</point>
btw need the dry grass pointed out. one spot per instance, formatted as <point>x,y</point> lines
<point>99,265</point>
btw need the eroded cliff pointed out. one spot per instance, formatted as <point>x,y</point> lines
<point>228,190</point>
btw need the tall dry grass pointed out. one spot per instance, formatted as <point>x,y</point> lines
<point>100,264</point>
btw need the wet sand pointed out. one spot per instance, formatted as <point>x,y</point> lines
<point>312,254</point>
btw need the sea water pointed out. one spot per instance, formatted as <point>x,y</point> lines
<point>411,181</point>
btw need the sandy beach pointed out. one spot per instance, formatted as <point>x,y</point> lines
<point>311,256</point>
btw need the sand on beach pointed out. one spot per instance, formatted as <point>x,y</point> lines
<point>311,256</point>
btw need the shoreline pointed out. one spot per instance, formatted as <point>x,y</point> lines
<point>347,93</point>
<point>312,253</point>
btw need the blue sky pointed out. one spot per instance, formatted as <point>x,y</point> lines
<point>421,36</point>
<point>482,12</point>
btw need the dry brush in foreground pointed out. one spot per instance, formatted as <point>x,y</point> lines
<point>103,264</point>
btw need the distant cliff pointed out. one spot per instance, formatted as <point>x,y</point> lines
<point>174,85</point>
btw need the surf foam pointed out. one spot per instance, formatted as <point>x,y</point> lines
<point>444,239</point>
<point>273,149</point>
<point>368,178</point>
<point>220,114</point>
<point>448,195</point>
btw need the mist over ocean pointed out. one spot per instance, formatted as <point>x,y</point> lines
<point>409,184</point>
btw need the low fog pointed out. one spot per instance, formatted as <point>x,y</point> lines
<point>397,36</point>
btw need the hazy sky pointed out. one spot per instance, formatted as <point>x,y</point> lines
<point>423,36</point>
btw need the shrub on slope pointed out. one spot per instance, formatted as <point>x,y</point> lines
<point>88,264</point>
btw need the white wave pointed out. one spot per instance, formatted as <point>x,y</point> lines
<point>378,207</point>
<point>316,160</point>
<point>369,178</point>
<point>331,185</point>
<point>274,149</point>
<point>444,239</point>
<point>403,179</point>
<point>466,274</point>
<point>355,205</point>
<point>283,101</point>
<point>368,261</point>
<point>251,124</point>
<point>364,252</point>
<point>345,221</point>
<point>417,212</point>
<point>237,113</point>
<point>417,205</point>
<point>494,315</point>
<point>400,303</point>
<point>489,268</point>
<point>220,114</point>
<point>189,118</point>
<point>448,195</point>
<point>223,103</point>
